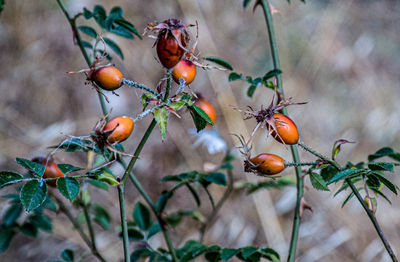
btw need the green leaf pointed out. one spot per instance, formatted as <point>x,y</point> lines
<point>153,230</point>
<point>272,73</point>
<point>41,221</point>
<point>121,31</point>
<point>384,166</point>
<point>88,30</point>
<point>114,47</point>
<point>67,168</point>
<point>50,204</point>
<point>133,234</point>
<point>68,187</point>
<point>33,194</point>
<point>328,173</point>
<point>29,229</point>
<point>101,216</point>
<point>116,12</point>
<point>227,253</point>
<point>385,151</point>
<point>199,122</point>
<point>270,254</point>
<point>175,219</point>
<point>2,2</point>
<point>251,90</point>
<point>385,181</point>
<point>100,15</point>
<point>142,216</point>
<point>76,144</point>
<point>6,235</point>
<point>36,168</point>
<point>68,255</point>
<point>161,116</point>
<point>234,76</point>
<point>318,182</point>
<point>163,200</point>
<point>140,253</point>
<point>248,251</point>
<point>216,178</point>
<point>246,3</point>
<point>108,177</point>
<point>219,61</point>
<point>347,199</point>
<point>345,174</point>
<point>87,14</point>
<point>87,45</point>
<point>128,26</point>
<point>12,214</point>
<point>9,177</point>
<point>202,114</point>
<point>98,184</point>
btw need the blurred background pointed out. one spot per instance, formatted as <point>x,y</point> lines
<point>339,56</point>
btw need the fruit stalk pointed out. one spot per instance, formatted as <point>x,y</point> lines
<point>295,154</point>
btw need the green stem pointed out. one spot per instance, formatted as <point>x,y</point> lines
<point>315,153</point>
<point>373,220</point>
<point>78,39</point>
<point>287,164</point>
<point>295,154</point>
<point>218,206</point>
<point>124,223</point>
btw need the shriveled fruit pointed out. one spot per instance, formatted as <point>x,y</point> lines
<point>186,70</point>
<point>207,107</point>
<point>119,128</point>
<point>286,130</point>
<point>51,171</point>
<point>168,50</point>
<point>266,164</point>
<point>107,77</point>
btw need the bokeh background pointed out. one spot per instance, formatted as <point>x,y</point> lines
<point>339,56</point>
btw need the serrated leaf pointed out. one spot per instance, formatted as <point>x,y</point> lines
<point>251,90</point>
<point>8,177</point>
<point>318,182</point>
<point>68,255</point>
<point>77,144</point>
<point>33,194</point>
<point>128,26</point>
<point>219,61</point>
<point>114,47</point>
<point>88,30</point>
<point>68,187</point>
<point>141,216</point>
<point>161,117</point>
<point>234,76</point>
<point>216,178</point>
<point>121,31</point>
<point>67,168</point>
<point>328,173</point>
<point>36,168</point>
<point>248,251</point>
<point>344,174</point>
<point>270,254</point>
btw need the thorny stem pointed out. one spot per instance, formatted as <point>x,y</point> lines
<point>370,214</point>
<point>301,164</point>
<point>295,154</point>
<point>124,223</point>
<point>77,226</point>
<point>140,86</point>
<point>218,206</point>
